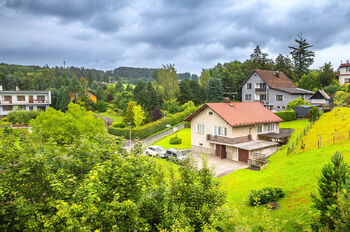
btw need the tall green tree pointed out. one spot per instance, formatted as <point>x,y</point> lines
<point>309,81</point>
<point>330,185</point>
<point>129,114</point>
<point>190,90</point>
<point>259,59</point>
<point>139,115</point>
<point>302,56</point>
<point>215,90</point>
<point>327,75</point>
<point>167,78</point>
<point>285,65</point>
<point>204,78</point>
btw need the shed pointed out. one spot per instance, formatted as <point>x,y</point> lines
<point>320,98</point>
<point>302,110</point>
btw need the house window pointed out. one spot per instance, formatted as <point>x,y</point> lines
<point>347,80</point>
<point>248,97</point>
<point>348,69</point>
<point>7,108</point>
<point>40,98</point>
<point>221,131</point>
<point>21,98</point>
<point>262,97</point>
<point>271,127</point>
<point>8,98</point>
<point>249,85</point>
<point>210,113</point>
<point>21,107</point>
<point>283,107</point>
<point>260,128</point>
<point>41,108</point>
<point>200,128</point>
<point>279,97</point>
<point>278,107</point>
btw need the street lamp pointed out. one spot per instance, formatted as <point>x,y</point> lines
<point>129,133</point>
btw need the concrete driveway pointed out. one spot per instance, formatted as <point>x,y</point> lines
<point>221,167</point>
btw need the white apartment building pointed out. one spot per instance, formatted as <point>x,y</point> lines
<point>23,100</point>
<point>343,74</point>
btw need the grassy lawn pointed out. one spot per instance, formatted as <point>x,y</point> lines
<point>114,117</point>
<point>297,173</point>
<point>184,134</point>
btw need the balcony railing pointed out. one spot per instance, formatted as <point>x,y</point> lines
<point>257,90</point>
<point>226,140</point>
<point>34,101</point>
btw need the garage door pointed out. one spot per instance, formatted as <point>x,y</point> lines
<point>243,155</point>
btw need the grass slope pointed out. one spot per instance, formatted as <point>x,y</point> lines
<point>184,134</point>
<point>297,173</point>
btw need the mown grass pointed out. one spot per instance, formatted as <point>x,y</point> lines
<point>184,134</point>
<point>297,173</point>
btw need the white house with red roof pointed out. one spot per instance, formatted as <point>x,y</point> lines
<point>239,131</point>
<point>343,74</point>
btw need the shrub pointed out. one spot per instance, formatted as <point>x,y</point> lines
<point>314,113</point>
<point>296,102</point>
<point>265,195</point>
<point>341,98</point>
<point>5,119</point>
<point>175,140</point>
<point>119,125</point>
<point>153,127</point>
<point>101,106</point>
<point>21,116</point>
<point>287,115</point>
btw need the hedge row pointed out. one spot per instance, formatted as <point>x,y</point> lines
<point>287,115</point>
<point>153,127</point>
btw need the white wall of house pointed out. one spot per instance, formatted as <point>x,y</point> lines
<point>344,75</point>
<point>319,101</point>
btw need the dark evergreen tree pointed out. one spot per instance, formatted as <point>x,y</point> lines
<point>156,113</point>
<point>259,59</point>
<point>63,98</point>
<point>330,184</point>
<point>326,75</point>
<point>302,56</point>
<point>215,90</point>
<point>119,87</point>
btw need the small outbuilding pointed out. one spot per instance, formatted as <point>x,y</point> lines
<point>302,111</point>
<point>320,98</point>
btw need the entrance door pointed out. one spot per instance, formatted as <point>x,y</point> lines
<point>220,151</point>
<point>243,155</point>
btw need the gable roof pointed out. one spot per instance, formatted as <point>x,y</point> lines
<point>272,80</point>
<point>322,93</point>
<point>240,113</point>
<point>344,65</point>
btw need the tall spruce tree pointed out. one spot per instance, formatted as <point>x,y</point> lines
<point>330,185</point>
<point>215,90</point>
<point>302,56</point>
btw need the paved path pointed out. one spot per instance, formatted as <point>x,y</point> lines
<point>108,121</point>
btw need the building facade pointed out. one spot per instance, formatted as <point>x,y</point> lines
<point>273,89</point>
<point>343,74</point>
<point>23,100</point>
<point>231,130</point>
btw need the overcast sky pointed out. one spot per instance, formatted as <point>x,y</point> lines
<point>192,34</point>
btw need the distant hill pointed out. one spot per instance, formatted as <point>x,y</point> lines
<point>132,74</point>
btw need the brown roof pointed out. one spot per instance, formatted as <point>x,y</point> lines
<point>240,113</point>
<point>274,79</point>
<point>344,65</point>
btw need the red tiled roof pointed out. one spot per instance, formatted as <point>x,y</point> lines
<point>274,79</point>
<point>240,113</point>
<point>344,65</point>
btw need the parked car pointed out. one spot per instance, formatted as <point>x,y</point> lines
<point>174,154</point>
<point>157,151</point>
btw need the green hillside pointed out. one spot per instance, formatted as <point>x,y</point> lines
<point>297,173</point>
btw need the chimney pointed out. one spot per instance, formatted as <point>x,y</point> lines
<point>277,74</point>
<point>227,100</point>
<point>17,89</point>
<point>0,87</point>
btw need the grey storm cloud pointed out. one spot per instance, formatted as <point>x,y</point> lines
<point>193,34</point>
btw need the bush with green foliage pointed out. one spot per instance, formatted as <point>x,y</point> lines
<point>341,98</point>
<point>314,114</point>
<point>64,128</point>
<point>175,140</point>
<point>22,116</point>
<point>153,127</point>
<point>331,89</point>
<point>265,195</point>
<point>296,102</point>
<point>287,115</point>
<point>119,125</point>
<point>100,106</point>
